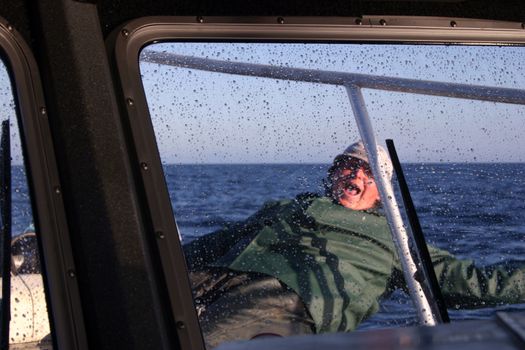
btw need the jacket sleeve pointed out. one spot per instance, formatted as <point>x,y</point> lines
<point>207,249</point>
<point>464,285</point>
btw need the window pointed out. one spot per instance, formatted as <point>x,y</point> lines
<point>231,143</point>
<point>29,318</point>
<point>36,199</point>
<point>247,148</point>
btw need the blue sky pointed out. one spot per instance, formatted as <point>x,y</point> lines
<point>203,117</point>
<point>8,111</point>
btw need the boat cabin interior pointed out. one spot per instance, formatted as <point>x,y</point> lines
<point>132,129</point>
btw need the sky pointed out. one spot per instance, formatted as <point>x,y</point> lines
<point>205,117</point>
<point>8,112</point>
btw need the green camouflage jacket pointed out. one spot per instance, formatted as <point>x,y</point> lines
<point>341,262</point>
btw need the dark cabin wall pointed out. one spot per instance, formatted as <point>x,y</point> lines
<point>16,13</point>
<point>117,271</point>
<point>114,13</point>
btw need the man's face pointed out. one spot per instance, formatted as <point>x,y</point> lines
<point>353,185</point>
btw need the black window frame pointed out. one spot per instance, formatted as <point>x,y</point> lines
<point>58,272</point>
<point>126,43</point>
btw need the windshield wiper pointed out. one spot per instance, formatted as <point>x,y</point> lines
<point>427,275</point>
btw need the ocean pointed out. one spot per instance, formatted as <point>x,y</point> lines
<point>475,211</point>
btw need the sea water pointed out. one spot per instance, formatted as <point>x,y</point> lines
<point>474,211</point>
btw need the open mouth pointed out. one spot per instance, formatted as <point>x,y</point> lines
<point>351,190</point>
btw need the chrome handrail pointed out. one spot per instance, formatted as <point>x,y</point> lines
<point>472,92</point>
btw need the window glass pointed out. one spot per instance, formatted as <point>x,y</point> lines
<point>29,319</point>
<point>246,162</point>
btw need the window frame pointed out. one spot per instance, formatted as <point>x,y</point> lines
<point>127,42</point>
<point>58,273</point>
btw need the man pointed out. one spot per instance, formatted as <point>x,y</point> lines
<point>320,263</point>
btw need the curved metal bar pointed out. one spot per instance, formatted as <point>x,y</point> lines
<point>397,228</point>
<point>471,92</point>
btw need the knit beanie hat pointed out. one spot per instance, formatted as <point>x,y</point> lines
<point>357,150</point>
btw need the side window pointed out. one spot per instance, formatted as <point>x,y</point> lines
<point>29,318</point>
<point>274,200</point>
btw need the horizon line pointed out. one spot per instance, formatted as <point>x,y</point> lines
<point>329,163</point>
